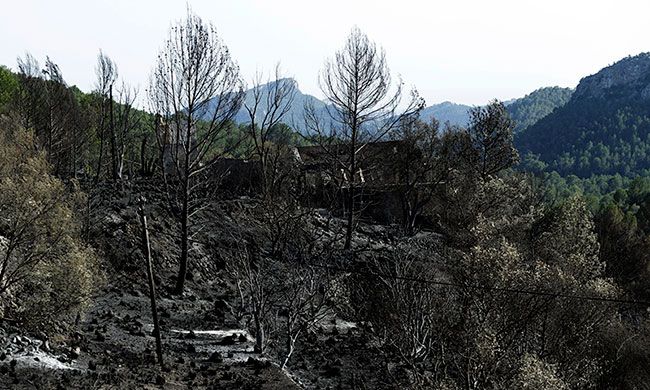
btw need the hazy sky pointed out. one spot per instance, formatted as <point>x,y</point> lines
<point>466,51</point>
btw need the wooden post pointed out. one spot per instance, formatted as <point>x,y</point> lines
<point>152,287</point>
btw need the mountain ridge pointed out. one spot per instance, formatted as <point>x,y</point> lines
<point>603,129</point>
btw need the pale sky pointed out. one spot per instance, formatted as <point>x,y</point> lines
<point>465,51</point>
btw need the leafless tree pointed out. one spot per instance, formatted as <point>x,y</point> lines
<point>106,72</point>
<point>364,107</point>
<point>268,107</point>
<point>404,312</point>
<point>196,91</point>
<point>257,284</point>
<point>282,290</point>
<point>303,298</point>
<point>125,121</point>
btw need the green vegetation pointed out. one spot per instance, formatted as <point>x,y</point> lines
<point>592,137</point>
<point>46,271</point>
<point>603,130</point>
<point>536,105</point>
<point>8,88</point>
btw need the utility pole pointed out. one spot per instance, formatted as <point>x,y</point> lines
<point>152,287</point>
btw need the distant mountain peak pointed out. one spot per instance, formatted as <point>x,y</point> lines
<point>295,113</point>
<point>446,112</point>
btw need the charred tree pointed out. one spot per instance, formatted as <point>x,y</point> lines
<point>196,90</point>
<point>364,107</point>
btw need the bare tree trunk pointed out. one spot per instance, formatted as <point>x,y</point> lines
<point>143,158</point>
<point>101,149</point>
<point>351,190</point>
<point>152,286</point>
<point>350,225</point>
<point>291,342</point>
<point>259,332</point>
<point>113,134</point>
<point>182,271</point>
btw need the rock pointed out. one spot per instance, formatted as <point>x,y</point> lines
<point>228,340</point>
<point>75,353</point>
<point>243,338</point>
<point>191,335</point>
<point>221,306</point>
<point>257,363</point>
<point>331,371</point>
<point>160,380</point>
<point>149,356</point>
<point>92,365</point>
<point>115,223</point>
<point>215,357</point>
<point>99,336</point>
